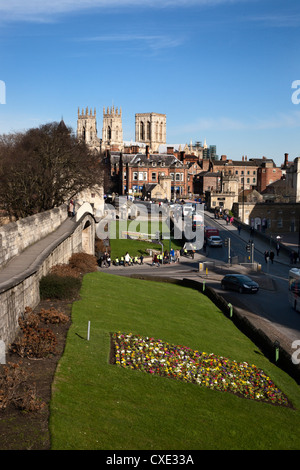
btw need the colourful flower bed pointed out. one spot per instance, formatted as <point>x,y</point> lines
<point>180,362</point>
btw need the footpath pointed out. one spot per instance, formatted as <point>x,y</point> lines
<point>27,262</point>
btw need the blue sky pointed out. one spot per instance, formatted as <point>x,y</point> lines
<point>221,70</point>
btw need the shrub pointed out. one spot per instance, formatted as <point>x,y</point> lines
<point>52,315</point>
<point>14,389</point>
<point>33,341</point>
<point>84,262</point>
<point>65,270</point>
<point>53,286</point>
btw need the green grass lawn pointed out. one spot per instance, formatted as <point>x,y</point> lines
<point>97,405</point>
<point>120,246</point>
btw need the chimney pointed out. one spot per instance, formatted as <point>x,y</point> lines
<point>147,152</point>
<point>242,158</point>
<point>223,158</point>
<point>286,158</point>
<point>170,150</point>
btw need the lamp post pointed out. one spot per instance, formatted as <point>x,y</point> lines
<point>243,181</point>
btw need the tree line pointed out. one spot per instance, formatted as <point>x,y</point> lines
<point>43,167</point>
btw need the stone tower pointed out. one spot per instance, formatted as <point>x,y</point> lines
<point>87,128</point>
<point>112,131</point>
<point>150,128</point>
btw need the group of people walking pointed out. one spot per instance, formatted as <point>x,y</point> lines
<point>127,260</point>
<point>166,257</point>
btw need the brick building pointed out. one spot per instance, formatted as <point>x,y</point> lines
<point>133,171</point>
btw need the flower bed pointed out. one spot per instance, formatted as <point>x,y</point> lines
<point>209,370</point>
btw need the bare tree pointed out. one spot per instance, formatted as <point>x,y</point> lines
<point>43,167</point>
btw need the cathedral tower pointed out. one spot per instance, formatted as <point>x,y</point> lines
<point>150,128</point>
<point>112,131</point>
<point>87,128</point>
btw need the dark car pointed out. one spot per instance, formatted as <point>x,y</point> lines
<point>240,283</point>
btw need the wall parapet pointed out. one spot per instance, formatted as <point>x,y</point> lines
<point>15,237</point>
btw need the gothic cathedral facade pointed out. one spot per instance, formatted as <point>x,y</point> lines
<point>150,129</point>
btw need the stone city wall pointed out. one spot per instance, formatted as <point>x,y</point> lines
<point>16,236</point>
<point>17,294</point>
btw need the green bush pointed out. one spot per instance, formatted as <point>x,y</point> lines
<point>59,287</point>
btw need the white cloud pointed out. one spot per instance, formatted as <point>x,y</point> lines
<point>46,10</point>
<point>151,41</point>
<point>276,21</point>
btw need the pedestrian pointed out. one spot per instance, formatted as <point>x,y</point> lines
<point>177,256</point>
<point>105,259</point>
<point>71,208</point>
<point>295,257</point>
<point>155,260</point>
<point>127,259</point>
<point>172,255</point>
<point>266,256</point>
<point>141,259</point>
<point>277,248</point>
<point>272,256</point>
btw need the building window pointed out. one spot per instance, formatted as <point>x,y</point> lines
<point>153,176</point>
<point>248,180</point>
<point>279,223</point>
<point>172,176</point>
<point>177,177</point>
<point>135,176</point>
<point>141,176</point>
<point>145,176</point>
<point>254,180</point>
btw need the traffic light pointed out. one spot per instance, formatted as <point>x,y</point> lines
<point>226,242</point>
<point>248,247</point>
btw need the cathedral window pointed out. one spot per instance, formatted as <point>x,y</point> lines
<point>148,130</point>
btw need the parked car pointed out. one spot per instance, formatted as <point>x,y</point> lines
<point>214,240</point>
<point>240,283</point>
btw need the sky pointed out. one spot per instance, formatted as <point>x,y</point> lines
<point>222,71</point>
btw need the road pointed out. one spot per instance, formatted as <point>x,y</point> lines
<point>270,303</point>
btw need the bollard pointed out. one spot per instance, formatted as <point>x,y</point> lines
<point>276,345</point>
<point>2,352</point>
<point>203,286</point>
<point>206,271</point>
<point>88,331</point>
<point>230,310</point>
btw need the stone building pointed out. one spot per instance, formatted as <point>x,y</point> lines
<point>87,128</point>
<point>112,131</point>
<point>150,129</point>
